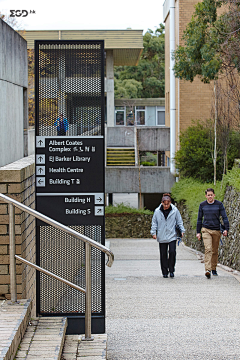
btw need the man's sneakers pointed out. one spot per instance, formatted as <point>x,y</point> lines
<point>208,274</point>
<point>214,272</point>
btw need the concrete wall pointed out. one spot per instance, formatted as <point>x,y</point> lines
<point>13,99</point>
<point>150,138</point>
<point>31,141</point>
<point>154,138</point>
<point>17,180</point>
<point>125,179</point>
<point>119,136</point>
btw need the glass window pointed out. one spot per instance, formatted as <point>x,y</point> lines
<point>161,117</point>
<point>148,158</point>
<point>130,116</point>
<point>161,158</point>
<point>140,114</point>
<point>120,115</point>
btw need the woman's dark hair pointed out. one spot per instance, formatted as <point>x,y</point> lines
<point>166,196</point>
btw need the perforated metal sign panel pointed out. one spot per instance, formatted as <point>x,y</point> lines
<point>69,102</point>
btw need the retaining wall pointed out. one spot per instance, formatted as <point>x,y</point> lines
<point>128,226</point>
<point>17,180</point>
<point>13,95</point>
<point>229,251</point>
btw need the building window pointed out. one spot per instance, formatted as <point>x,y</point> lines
<point>130,115</point>
<point>161,158</point>
<point>160,116</point>
<point>140,115</point>
<point>120,115</point>
<point>148,158</point>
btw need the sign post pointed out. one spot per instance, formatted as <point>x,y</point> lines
<point>70,175</point>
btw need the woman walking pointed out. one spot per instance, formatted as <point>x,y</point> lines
<point>164,221</point>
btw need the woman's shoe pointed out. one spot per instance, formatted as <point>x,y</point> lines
<point>172,275</point>
<point>165,276</point>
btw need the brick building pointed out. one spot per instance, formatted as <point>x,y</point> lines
<point>192,100</point>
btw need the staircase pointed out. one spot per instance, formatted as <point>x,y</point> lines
<point>120,156</point>
<point>43,339</point>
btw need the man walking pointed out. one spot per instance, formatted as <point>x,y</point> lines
<point>164,221</point>
<point>211,210</point>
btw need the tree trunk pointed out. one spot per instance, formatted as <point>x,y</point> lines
<point>215,139</point>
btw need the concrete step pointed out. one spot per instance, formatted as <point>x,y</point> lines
<point>14,319</point>
<point>75,348</point>
<point>43,339</point>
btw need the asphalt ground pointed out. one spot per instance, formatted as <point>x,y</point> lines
<point>188,317</point>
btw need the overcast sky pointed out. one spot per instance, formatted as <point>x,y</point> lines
<point>87,14</point>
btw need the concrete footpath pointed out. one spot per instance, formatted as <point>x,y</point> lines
<point>188,317</point>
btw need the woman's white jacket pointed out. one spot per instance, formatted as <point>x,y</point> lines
<point>165,228</point>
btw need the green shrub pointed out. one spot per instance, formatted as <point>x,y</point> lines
<point>147,163</point>
<point>122,208</point>
<point>194,159</point>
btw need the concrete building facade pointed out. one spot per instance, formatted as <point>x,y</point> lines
<point>17,171</point>
<point>13,95</point>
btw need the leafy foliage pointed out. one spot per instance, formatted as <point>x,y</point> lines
<point>194,159</point>
<point>211,43</point>
<point>128,88</point>
<point>148,158</point>
<point>149,73</point>
<point>200,55</point>
<point>123,208</point>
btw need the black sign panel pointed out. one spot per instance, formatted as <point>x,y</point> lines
<point>69,165</point>
<point>70,179</point>
<point>69,105</point>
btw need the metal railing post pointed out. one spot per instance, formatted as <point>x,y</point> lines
<point>88,295</point>
<point>13,284</point>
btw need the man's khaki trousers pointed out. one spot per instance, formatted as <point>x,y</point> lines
<point>211,242</point>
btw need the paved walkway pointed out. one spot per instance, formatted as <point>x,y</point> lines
<point>188,317</point>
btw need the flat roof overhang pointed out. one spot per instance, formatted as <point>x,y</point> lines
<point>127,45</point>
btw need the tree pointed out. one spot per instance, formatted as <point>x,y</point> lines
<point>206,39</point>
<point>150,72</point>
<point>194,157</point>
<point>128,89</point>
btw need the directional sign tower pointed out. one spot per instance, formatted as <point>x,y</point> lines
<point>69,93</point>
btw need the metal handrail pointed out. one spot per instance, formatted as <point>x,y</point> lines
<point>89,242</point>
